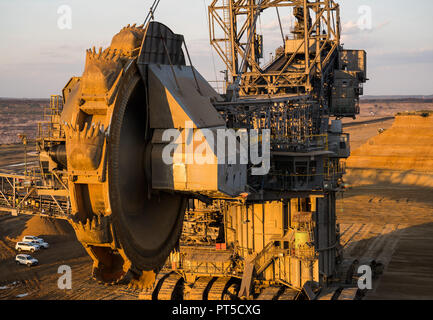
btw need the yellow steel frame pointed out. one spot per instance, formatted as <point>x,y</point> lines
<point>223,19</point>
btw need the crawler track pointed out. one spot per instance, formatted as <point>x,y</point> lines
<point>218,289</point>
<point>201,288</point>
<point>171,288</point>
<point>289,294</point>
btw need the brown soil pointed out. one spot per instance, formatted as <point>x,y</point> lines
<point>40,282</point>
<point>12,158</point>
<point>43,227</point>
<point>387,212</point>
<point>382,108</point>
<point>19,116</point>
<point>402,155</point>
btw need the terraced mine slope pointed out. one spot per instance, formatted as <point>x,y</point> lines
<point>401,155</point>
<point>386,214</point>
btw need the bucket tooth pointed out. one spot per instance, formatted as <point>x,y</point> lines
<point>93,224</point>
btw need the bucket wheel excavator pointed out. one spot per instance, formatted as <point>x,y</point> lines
<point>243,234</point>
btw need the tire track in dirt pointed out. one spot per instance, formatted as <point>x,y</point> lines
<point>361,235</point>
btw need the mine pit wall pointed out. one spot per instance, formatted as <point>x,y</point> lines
<point>402,155</point>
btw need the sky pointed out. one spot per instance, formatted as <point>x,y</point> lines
<point>37,58</point>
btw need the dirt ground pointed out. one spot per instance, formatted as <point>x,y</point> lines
<point>390,223</point>
<point>20,116</point>
<point>40,282</point>
<point>13,160</point>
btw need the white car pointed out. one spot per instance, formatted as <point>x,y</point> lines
<point>31,238</point>
<point>26,246</point>
<point>36,240</point>
<point>41,243</point>
<point>26,260</point>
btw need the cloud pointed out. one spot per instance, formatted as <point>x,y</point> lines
<point>274,25</point>
<point>382,24</point>
<point>351,27</point>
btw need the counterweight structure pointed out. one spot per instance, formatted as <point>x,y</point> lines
<point>212,230</point>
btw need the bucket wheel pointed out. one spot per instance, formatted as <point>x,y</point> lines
<point>126,227</point>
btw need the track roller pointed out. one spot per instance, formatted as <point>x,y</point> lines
<point>349,294</point>
<point>200,289</point>
<point>171,288</point>
<point>270,293</point>
<point>328,294</point>
<point>223,288</point>
<point>289,294</point>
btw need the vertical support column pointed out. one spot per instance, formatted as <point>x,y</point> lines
<point>328,20</point>
<point>251,35</point>
<point>233,40</point>
<point>307,43</point>
<point>338,27</point>
<point>325,242</point>
<point>14,193</point>
<point>286,216</point>
<point>321,239</point>
<point>318,40</point>
<point>332,232</point>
